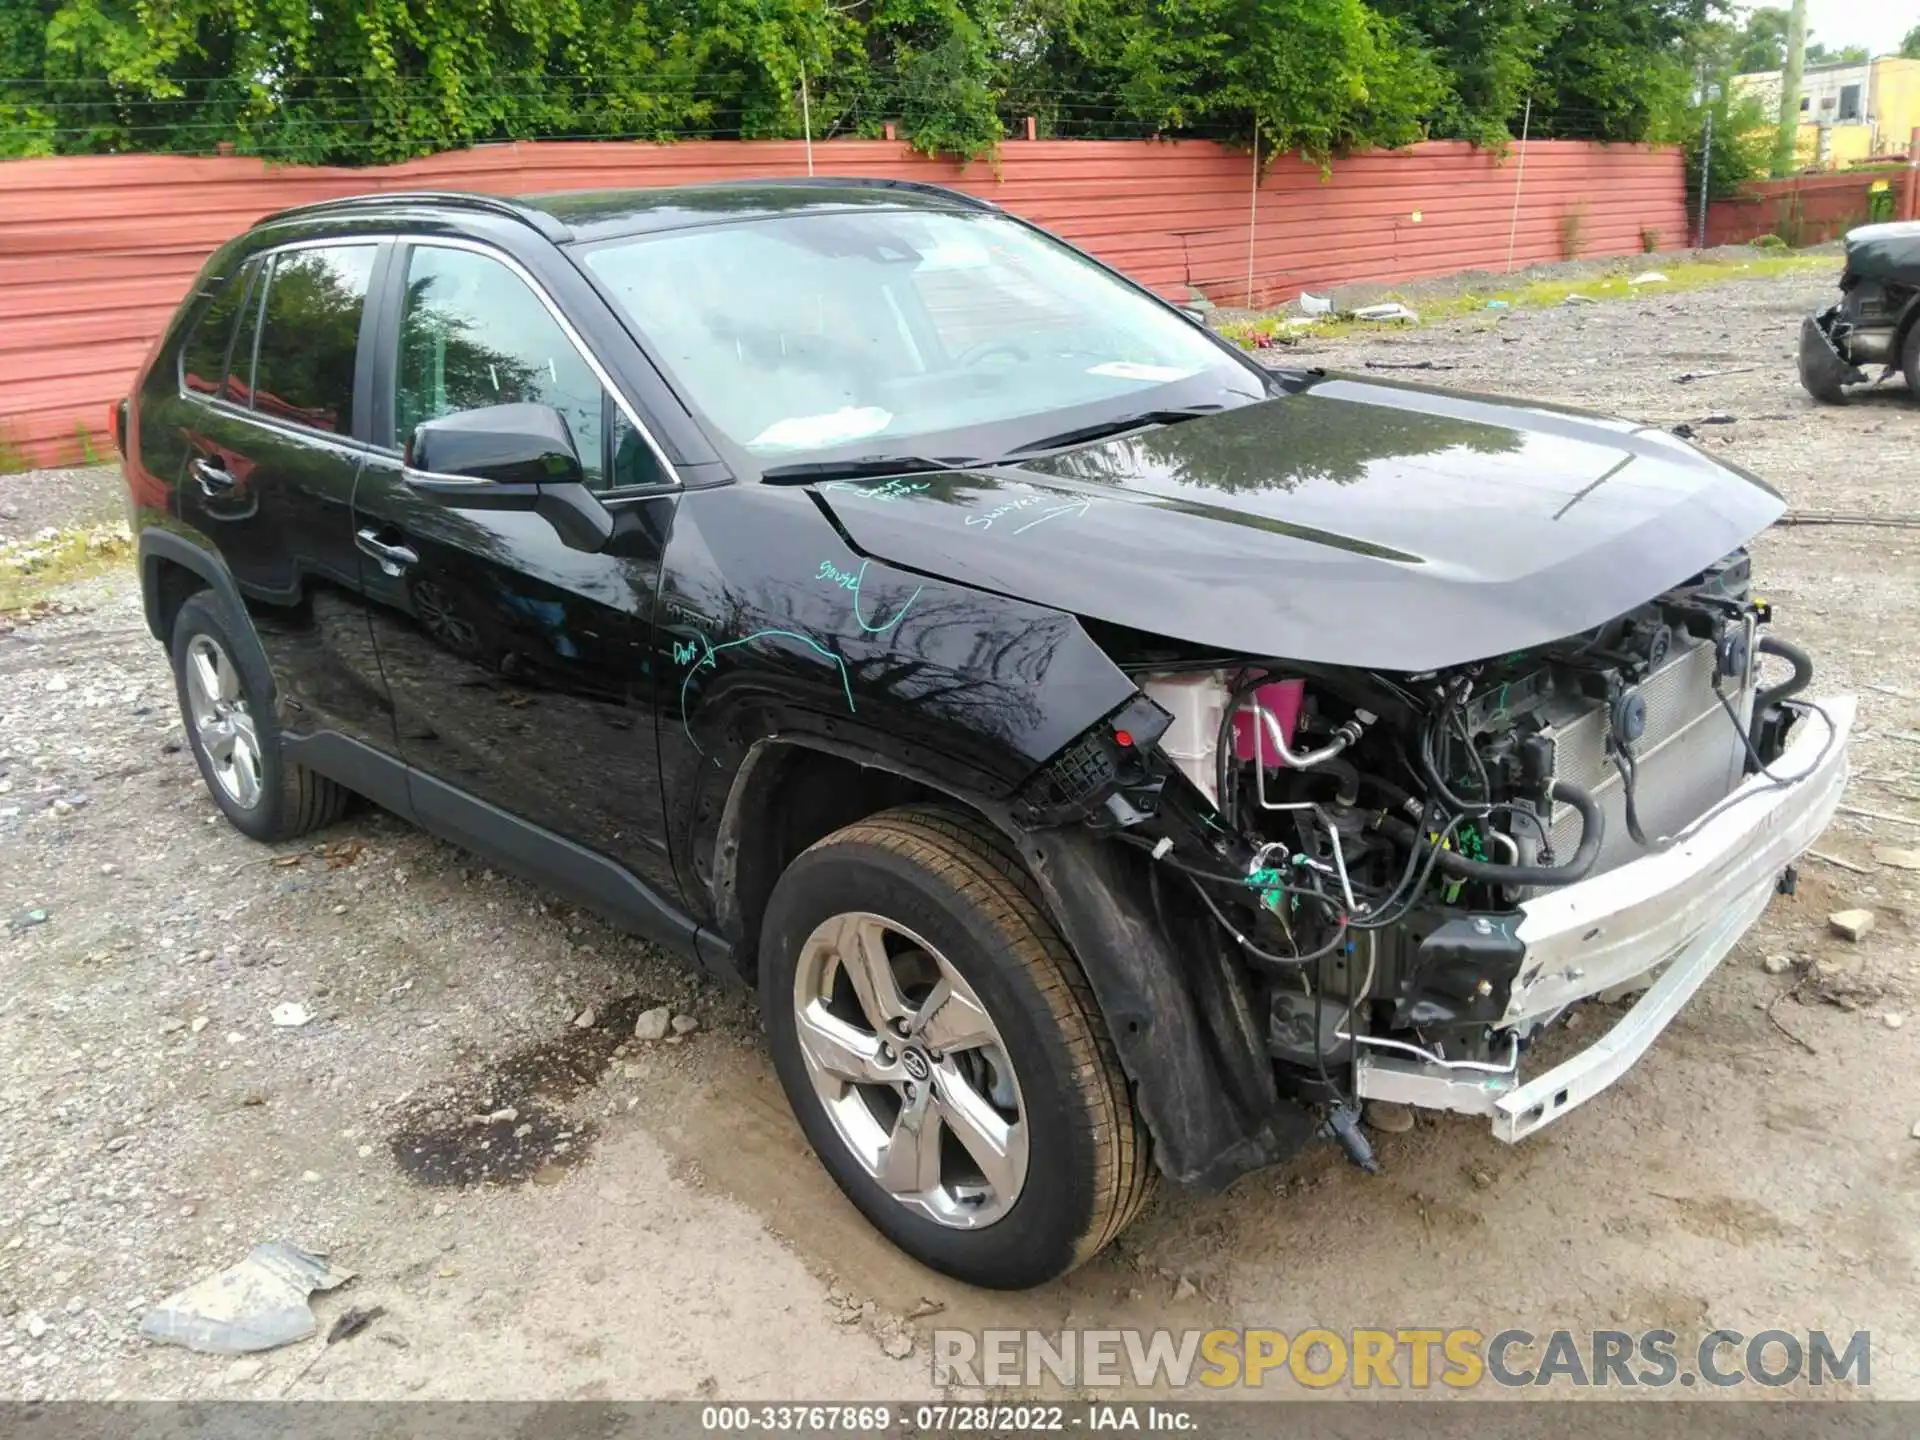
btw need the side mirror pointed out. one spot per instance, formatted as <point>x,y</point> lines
<point>509,457</point>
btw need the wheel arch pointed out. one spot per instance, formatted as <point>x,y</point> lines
<point>1205,1088</point>
<point>172,567</point>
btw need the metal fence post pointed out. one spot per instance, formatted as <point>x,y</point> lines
<point>1706,177</point>
<point>1913,175</point>
<point>1513,224</point>
<point>1253,210</point>
<point>806,117</point>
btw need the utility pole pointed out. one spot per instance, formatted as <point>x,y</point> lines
<point>1786,140</point>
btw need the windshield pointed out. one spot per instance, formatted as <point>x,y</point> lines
<point>877,331</point>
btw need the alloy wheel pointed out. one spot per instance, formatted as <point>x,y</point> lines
<point>911,1070</point>
<point>218,711</point>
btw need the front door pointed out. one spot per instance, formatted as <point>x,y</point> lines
<point>520,670</point>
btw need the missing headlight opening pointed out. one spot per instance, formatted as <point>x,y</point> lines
<point>1382,850</point>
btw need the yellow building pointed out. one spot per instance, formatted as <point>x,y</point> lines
<point>1849,111</point>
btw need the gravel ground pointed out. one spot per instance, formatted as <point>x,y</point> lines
<point>650,1222</point>
<point>31,500</point>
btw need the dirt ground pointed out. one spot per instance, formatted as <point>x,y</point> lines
<point>652,1225</point>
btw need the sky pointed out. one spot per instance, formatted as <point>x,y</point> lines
<point>1876,24</point>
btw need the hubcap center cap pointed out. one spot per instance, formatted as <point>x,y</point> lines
<point>915,1062</point>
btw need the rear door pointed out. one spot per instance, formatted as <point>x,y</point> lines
<point>273,436</point>
<point>520,669</point>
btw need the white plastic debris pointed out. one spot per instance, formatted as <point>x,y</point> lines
<point>1393,311</point>
<point>289,1015</point>
<point>1648,277</point>
<point>259,1304</point>
<point>1315,304</point>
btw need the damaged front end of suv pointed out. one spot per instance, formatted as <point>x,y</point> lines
<point>1448,715</point>
<point>1877,320</point>
<point>1397,881</point>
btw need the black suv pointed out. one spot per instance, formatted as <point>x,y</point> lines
<point>1106,756</point>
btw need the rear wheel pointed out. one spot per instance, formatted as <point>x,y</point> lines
<point>1910,359</point>
<point>226,700</point>
<point>944,1053</point>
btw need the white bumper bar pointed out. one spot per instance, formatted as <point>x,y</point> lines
<point>1682,909</point>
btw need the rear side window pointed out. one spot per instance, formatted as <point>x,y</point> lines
<point>203,360</point>
<point>309,335</point>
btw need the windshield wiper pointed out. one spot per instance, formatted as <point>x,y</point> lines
<point>1108,428</point>
<point>861,467</point>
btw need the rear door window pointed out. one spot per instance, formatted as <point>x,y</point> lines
<point>203,360</point>
<point>310,334</point>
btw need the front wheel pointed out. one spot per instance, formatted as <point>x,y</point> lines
<point>944,1053</point>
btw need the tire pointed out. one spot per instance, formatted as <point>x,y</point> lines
<point>1910,359</point>
<point>955,909</point>
<point>226,703</point>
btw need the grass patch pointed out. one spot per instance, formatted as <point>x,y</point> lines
<point>32,569</point>
<point>1540,294</point>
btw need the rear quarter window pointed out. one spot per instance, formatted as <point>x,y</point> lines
<point>203,359</point>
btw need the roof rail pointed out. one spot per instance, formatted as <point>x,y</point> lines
<point>539,220</point>
<point>859,182</point>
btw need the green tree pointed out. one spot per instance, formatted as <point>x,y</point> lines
<point>1818,54</point>
<point>1617,69</point>
<point>1488,50</point>
<point>1762,43</point>
<point>1910,46</point>
<point>368,81</point>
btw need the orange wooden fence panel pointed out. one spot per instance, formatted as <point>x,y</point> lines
<point>96,251</point>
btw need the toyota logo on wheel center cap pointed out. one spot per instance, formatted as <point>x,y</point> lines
<point>915,1061</point>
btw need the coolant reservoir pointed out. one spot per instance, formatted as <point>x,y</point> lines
<point>1196,702</point>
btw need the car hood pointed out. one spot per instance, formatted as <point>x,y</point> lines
<point>1346,522</point>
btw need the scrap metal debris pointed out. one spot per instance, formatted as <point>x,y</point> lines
<point>1687,377</point>
<point>1849,517</point>
<point>1391,311</point>
<point>1411,365</point>
<point>259,1304</point>
<point>353,1322</point>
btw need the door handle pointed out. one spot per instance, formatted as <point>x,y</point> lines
<point>213,477</point>
<point>395,560</point>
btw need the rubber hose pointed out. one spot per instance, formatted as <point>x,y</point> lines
<point>1593,829</point>
<point>1802,677</point>
<point>1345,771</point>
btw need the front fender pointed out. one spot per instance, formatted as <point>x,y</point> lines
<point>771,623</point>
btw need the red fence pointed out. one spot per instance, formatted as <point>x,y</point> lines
<point>1802,209</point>
<point>96,251</point>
